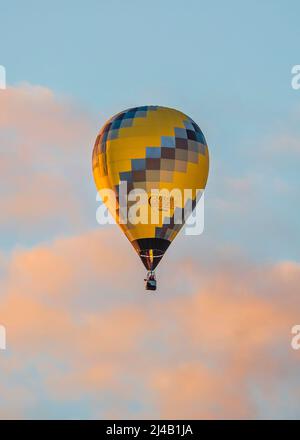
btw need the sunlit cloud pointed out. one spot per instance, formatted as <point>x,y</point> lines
<point>191,356</point>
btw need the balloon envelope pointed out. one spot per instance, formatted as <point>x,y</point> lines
<point>151,148</point>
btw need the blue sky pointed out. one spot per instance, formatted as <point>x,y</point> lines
<point>199,54</point>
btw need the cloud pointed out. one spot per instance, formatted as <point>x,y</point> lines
<point>121,353</point>
<point>37,116</point>
<point>287,145</point>
<point>45,163</point>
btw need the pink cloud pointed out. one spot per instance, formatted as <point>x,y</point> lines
<point>194,355</point>
<point>46,151</point>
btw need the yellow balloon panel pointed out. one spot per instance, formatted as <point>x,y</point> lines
<point>149,148</point>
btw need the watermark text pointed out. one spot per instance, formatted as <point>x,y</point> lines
<point>157,207</point>
<point>2,78</point>
<point>295,342</point>
<point>2,337</point>
<point>296,77</point>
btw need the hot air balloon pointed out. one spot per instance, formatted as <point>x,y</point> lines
<point>151,148</point>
